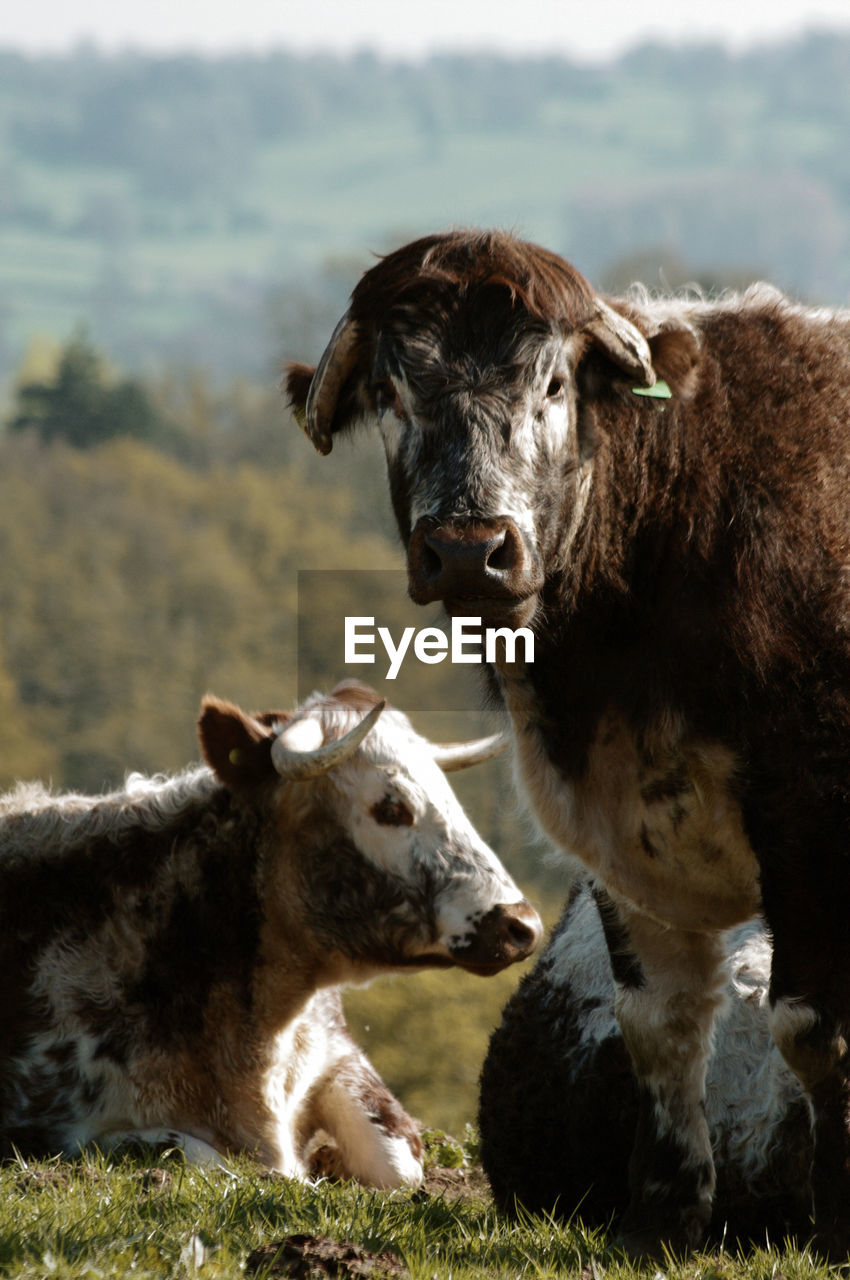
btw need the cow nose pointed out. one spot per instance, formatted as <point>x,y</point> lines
<point>507,933</point>
<point>474,551</point>
<point>469,559</point>
<point>523,929</point>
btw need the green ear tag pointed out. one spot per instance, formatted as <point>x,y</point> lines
<point>660,391</point>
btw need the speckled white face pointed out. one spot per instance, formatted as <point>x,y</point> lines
<point>481,444</point>
<point>398,875</point>
<point>405,819</point>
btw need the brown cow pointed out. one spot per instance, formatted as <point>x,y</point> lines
<point>659,488</point>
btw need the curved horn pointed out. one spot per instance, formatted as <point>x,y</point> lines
<point>624,343</point>
<point>332,370</point>
<point>461,755</point>
<point>293,764</point>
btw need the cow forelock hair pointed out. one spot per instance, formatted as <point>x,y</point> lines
<point>549,289</point>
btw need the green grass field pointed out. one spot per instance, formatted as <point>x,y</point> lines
<point>99,1217</point>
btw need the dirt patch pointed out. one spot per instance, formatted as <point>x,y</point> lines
<point>467,1183</point>
<point>309,1257</point>
<point>153,1180</point>
<point>59,1176</point>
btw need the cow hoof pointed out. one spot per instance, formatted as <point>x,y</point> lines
<point>641,1246</point>
<point>657,1244</point>
<point>833,1245</point>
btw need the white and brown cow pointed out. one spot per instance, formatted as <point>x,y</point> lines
<point>658,488</point>
<point>171,954</point>
<point>558,1064</point>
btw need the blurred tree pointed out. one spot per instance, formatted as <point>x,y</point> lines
<point>80,405</point>
<point>133,583</point>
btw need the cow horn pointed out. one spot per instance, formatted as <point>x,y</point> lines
<point>461,755</point>
<point>331,372</point>
<point>293,763</point>
<point>623,341</point>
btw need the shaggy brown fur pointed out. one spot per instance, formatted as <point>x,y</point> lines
<point>685,725</point>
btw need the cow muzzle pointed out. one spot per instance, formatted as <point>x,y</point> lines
<point>504,935</point>
<point>475,567</point>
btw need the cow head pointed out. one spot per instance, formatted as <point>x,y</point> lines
<point>388,869</point>
<point>474,352</point>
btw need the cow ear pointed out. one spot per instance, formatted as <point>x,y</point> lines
<point>676,359</point>
<point>330,398</point>
<point>670,353</point>
<point>236,746</point>
<point>297,384</point>
<point>623,343</point>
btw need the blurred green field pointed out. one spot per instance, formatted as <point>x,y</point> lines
<point>217,212</point>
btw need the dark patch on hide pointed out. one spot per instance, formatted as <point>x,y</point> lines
<point>668,787</point>
<point>668,1190</point>
<point>440,268</point>
<point>777,1202</point>
<point>624,963</point>
<point>359,910</point>
<point>391,812</point>
<point>207,938</point>
<point>646,843</point>
<point>385,1111</point>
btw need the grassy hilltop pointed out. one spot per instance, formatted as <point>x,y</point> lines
<point>95,1218</point>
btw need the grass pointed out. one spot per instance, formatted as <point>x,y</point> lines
<point>113,1217</point>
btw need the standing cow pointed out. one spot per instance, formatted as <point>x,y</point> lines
<point>659,488</point>
<point>171,953</point>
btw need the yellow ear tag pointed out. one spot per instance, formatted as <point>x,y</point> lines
<point>659,391</point>
<point>235,756</point>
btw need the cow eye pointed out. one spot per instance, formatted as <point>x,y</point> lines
<point>386,397</point>
<point>554,388</point>
<point>391,813</point>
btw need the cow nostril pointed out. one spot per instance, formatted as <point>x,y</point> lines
<point>521,935</point>
<point>505,551</point>
<point>431,562</point>
<point>501,556</point>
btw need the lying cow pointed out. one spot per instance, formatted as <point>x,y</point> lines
<point>559,1101</point>
<point>171,954</point>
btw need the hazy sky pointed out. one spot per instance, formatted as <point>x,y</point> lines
<point>581,28</point>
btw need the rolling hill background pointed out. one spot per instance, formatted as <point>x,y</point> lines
<point>215,211</point>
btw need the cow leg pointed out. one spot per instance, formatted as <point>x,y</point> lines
<point>195,1150</point>
<point>810,1022</point>
<point>378,1142</point>
<point>669,983</point>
